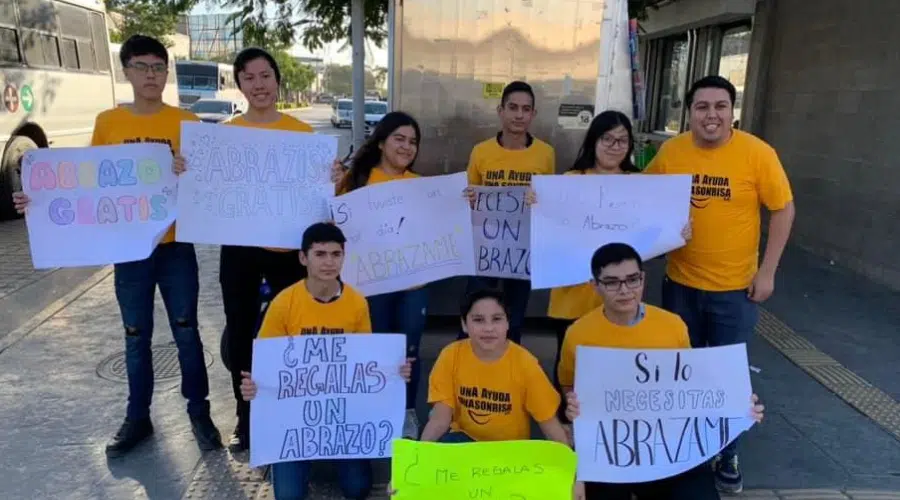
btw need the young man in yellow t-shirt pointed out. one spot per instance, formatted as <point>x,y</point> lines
<point>243,268</point>
<point>624,321</point>
<point>319,305</point>
<point>511,158</point>
<point>172,266</point>
<point>715,282</point>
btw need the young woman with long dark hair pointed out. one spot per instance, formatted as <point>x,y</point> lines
<point>387,155</point>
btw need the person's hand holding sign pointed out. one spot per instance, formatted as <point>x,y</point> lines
<point>406,369</point>
<point>20,202</point>
<point>248,387</point>
<point>178,165</point>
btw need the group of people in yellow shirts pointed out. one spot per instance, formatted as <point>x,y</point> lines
<point>711,290</point>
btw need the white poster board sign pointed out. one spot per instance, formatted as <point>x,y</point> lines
<point>652,414</point>
<point>326,397</point>
<point>577,214</point>
<point>501,226</point>
<point>99,205</point>
<point>406,233</point>
<point>253,187</point>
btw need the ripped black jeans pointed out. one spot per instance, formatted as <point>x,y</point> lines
<point>172,267</point>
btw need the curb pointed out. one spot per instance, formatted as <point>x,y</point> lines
<point>48,312</point>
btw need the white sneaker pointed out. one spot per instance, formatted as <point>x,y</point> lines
<point>411,425</point>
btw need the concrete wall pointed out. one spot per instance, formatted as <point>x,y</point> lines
<point>832,110</point>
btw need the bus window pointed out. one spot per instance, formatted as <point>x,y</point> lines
<point>9,45</point>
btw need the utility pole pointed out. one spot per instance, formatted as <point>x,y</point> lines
<point>357,40</point>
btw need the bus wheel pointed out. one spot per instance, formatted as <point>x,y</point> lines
<point>10,173</point>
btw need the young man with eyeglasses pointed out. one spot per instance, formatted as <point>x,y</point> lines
<point>172,266</point>
<point>625,322</point>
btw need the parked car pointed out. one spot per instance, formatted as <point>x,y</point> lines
<point>215,110</point>
<point>342,113</point>
<point>375,111</point>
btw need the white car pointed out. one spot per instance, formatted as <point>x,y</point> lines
<point>215,110</point>
<point>375,111</point>
<point>342,113</point>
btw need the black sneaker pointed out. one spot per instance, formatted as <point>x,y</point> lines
<point>728,475</point>
<point>130,434</point>
<point>240,440</point>
<point>208,437</point>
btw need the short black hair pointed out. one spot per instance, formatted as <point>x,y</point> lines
<point>711,82</point>
<point>322,232</point>
<point>516,86</point>
<point>481,294</point>
<point>141,45</point>
<point>251,54</point>
<point>614,253</point>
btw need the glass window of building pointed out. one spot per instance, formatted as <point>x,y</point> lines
<point>733,62</point>
<point>673,86</point>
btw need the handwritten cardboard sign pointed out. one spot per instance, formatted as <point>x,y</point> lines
<point>502,230</point>
<point>576,214</point>
<point>99,205</point>
<point>249,186</point>
<point>508,470</point>
<point>406,233</point>
<point>652,414</point>
<point>326,396</point>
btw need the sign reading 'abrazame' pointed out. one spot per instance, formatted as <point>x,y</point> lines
<point>405,233</point>
<point>652,414</point>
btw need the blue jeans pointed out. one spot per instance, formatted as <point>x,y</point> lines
<point>713,319</point>
<point>455,437</point>
<point>290,480</point>
<point>516,292</point>
<point>172,267</point>
<point>403,312</point>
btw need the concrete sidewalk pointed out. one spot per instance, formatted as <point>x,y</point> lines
<point>63,396</point>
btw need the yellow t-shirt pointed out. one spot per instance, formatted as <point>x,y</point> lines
<point>492,401</point>
<point>122,126</point>
<point>493,165</point>
<point>729,185</point>
<point>295,311</point>
<point>573,302</point>
<point>377,176</point>
<point>287,123</point>
<point>659,329</point>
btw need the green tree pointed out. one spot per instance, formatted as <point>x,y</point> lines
<point>339,79</point>
<point>156,18</point>
<point>294,75</point>
<point>318,22</point>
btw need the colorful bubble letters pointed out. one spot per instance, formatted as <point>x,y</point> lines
<point>121,196</point>
<point>250,186</point>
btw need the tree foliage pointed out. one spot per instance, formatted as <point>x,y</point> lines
<point>339,79</point>
<point>156,18</point>
<point>314,23</point>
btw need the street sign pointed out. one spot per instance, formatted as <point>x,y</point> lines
<point>27,98</point>
<point>11,98</point>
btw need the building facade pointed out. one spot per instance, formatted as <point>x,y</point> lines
<point>819,81</point>
<point>214,36</point>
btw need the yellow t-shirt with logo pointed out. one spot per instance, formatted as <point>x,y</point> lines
<point>573,302</point>
<point>285,122</point>
<point>659,329</point>
<point>492,401</point>
<point>490,164</point>
<point>123,126</point>
<point>295,311</point>
<point>729,185</point>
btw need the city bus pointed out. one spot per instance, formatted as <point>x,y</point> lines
<point>54,77</point>
<point>207,80</point>
<point>122,87</point>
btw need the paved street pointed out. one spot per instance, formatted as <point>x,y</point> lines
<point>826,348</point>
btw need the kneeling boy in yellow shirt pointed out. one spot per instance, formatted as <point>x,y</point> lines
<point>319,304</point>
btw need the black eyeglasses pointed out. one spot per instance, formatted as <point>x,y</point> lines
<point>144,67</point>
<point>614,284</point>
<point>619,142</point>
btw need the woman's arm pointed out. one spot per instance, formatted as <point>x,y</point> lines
<point>553,430</point>
<point>438,422</point>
